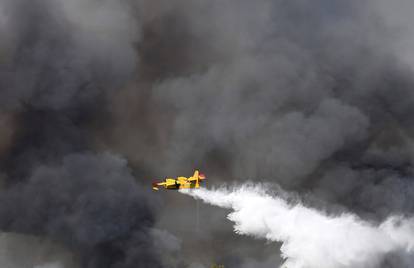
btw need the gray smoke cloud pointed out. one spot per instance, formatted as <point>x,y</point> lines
<point>314,96</point>
<point>55,73</point>
<point>89,203</point>
<point>22,251</point>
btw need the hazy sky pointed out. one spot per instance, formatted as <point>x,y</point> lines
<point>100,98</point>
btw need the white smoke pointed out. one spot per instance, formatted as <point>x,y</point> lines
<point>311,238</point>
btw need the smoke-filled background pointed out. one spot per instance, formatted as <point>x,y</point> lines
<point>98,98</point>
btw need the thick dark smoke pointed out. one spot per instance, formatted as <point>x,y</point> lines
<point>89,203</point>
<point>54,81</point>
<point>99,97</point>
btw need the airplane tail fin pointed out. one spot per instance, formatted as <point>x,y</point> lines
<point>198,177</point>
<point>196,174</point>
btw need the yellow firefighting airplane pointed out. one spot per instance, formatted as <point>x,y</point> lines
<point>180,182</point>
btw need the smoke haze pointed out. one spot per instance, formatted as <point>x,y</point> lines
<point>99,98</point>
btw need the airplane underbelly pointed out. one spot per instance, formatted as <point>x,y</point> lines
<point>187,186</point>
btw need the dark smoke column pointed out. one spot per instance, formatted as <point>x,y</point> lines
<point>55,78</point>
<point>92,204</point>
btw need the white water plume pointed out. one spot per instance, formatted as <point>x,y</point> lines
<point>311,238</point>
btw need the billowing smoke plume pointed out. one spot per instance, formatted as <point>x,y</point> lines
<point>89,203</point>
<point>57,66</point>
<point>98,97</point>
<point>311,238</point>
